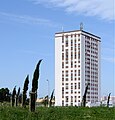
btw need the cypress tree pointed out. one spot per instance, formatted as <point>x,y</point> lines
<point>25,88</point>
<point>33,93</point>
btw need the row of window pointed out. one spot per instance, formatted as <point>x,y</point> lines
<point>67,56</point>
<point>66,66</point>
<point>90,38</point>
<point>75,98</point>
<point>67,73</point>
<point>68,104</point>
<point>75,86</point>
<point>92,46</point>
<point>67,79</point>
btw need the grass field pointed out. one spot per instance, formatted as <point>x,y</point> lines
<point>57,113</point>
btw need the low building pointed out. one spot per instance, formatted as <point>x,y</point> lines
<point>111,101</point>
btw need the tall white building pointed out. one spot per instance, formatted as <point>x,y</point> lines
<point>77,62</point>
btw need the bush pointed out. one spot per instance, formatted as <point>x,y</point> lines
<point>57,113</point>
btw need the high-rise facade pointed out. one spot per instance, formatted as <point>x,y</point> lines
<point>77,63</point>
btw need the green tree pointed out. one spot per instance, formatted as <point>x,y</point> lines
<point>108,100</point>
<point>84,96</point>
<point>25,88</point>
<point>50,104</point>
<point>13,96</point>
<point>17,96</point>
<point>33,93</point>
<point>36,77</point>
<point>4,95</point>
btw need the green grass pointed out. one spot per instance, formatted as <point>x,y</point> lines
<point>57,113</point>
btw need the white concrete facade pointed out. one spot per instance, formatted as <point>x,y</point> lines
<point>77,62</point>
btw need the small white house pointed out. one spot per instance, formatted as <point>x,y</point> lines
<point>96,104</point>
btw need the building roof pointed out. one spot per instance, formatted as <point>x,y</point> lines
<point>79,31</point>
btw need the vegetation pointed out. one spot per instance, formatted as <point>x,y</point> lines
<point>36,77</point>
<point>4,95</point>
<point>108,100</point>
<point>57,113</point>
<point>84,96</point>
<point>50,103</point>
<point>33,93</point>
<point>13,96</point>
<point>17,96</point>
<point>25,88</point>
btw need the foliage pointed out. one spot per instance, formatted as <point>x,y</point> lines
<point>45,101</point>
<point>13,96</point>
<point>84,96</point>
<point>35,78</point>
<point>17,97</point>
<point>57,113</point>
<point>33,93</point>
<point>25,88</point>
<point>4,95</point>
<point>18,92</point>
<point>51,98</point>
<point>108,100</point>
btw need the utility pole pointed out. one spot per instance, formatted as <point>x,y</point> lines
<point>48,91</point>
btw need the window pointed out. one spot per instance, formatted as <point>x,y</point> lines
<point>66,43</point>
<point>75,73</point>
<point>71,55</point>
<point>66,86</point>
<point>78,92</point>
<point>66,104</point>
<point>62,56</point>
<point>66,54</point>
<point>75,98</point>
<point>78,55</point>
<point>66,79</point>
<point>78,35</point>
<point>62,92</point>
<point>71,74</point>
<point>71,91</point>
<point>62,47</point>
<point>66,99</point>
<point>78,45</point>
<point>71,98</point>
<point>71,42</point>
<point>71,64</point>
<point>71,85</point>
<point>62,39</point>
<point>78,72</point>
<point>75,85</point>
<point>78,85</point>
<point>71,48</point>
<point>62,64</point>
<point>62,102</point>
<point>75,55</point>
<point>75,41</point>
<point>66,73</point>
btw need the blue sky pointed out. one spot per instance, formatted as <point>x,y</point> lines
<point>27,29</point>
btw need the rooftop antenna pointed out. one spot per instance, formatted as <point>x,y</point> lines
<point>81,26</point>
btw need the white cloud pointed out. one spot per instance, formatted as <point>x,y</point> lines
<point>104,9</point>
<point>26,19</point>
